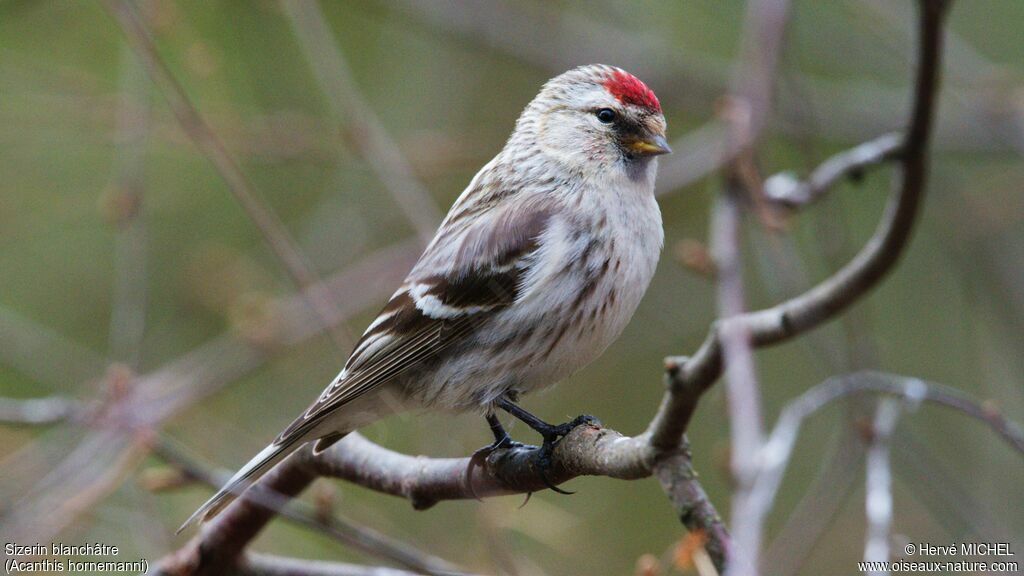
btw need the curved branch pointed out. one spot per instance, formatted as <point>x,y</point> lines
<point>779,447</point>
<point>359,537</point>
<point>589,450</point>
<point>221,543</point>
<point>346,104</point>
<point>785,189</point>
<point>689,378</point>
<point>592,450</point>
<point>598,451</point>
<point>274,232</point>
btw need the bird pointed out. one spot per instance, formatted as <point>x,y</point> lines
<point>536,269</point>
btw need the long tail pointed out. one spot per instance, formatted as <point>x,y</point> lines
<point>249,473</point>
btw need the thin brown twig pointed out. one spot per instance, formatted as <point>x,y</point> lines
<point>274,232</point>
<point>748,110</point>
<point>689,377</point>
<point>444,479</point>
<point>347,105</point>
<point>369,541</point>
<point>128,303</point>
<point>156,396</point>
<point>817,508</point>
<point>696,512</point>
<point>222,541</point>
<point>786,189</point>
<point>648,451</point>
<point>593,450</point>
<point>783,437</point>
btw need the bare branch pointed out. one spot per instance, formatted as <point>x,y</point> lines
<point>690,377</point>
<point>221,542</point>
<point>784,188</point>
<point>213,365</point>
<point>128,313</point>
<point>817,508</point>
<point>381,153</point>
<point>777,451</point>
<point>22,340</point>
<point>748,111</point>
<point>591,449</point>
<point>587,451</point>
<point>359,537</point>
<point>36,411</point>
<point>274,232</point>
<point>679,481</point>
<point>267,565</point>
<point>878,491</point>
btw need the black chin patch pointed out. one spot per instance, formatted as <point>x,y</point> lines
<point>636,166</point>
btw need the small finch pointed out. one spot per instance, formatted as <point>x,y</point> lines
<point>536,269</point>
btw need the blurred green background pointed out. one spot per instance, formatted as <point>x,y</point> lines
<point>106,205</point>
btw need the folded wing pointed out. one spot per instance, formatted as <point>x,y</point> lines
<point>466,275</point>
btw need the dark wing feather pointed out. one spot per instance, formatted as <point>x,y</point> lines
<point>486,276</point>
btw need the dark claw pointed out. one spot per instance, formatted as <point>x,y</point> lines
<point>526,500</point>
<point>501,441</point>
<point>552,434</point>
<point>544,465</point>
<point>564,429</point>
<point>481,454</point>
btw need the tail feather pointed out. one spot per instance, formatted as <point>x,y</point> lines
<point>249,473</point>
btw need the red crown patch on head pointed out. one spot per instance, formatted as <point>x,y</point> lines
<point>628,89</point>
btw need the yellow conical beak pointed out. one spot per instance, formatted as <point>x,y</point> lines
<point>652,146</point>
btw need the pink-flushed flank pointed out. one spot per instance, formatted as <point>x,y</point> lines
<point>628,89</point>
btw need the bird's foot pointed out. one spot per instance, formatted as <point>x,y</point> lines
<point>501,437</point>
<point>552,434</point>
<point>502,441</point>
<point>505,443</point>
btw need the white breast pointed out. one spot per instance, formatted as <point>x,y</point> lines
<point>551,331</point>
<point>626,223</point>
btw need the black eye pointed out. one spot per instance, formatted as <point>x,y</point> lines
<point>606,115</point>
